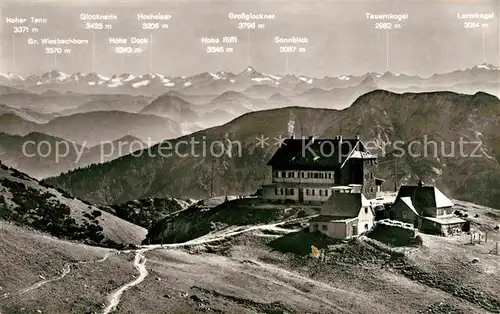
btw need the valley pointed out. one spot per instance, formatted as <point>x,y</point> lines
<point>387,122</point>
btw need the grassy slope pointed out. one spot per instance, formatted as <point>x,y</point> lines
<point>199,220</point>
<point>30,257</point>
<point>259,272</point>
<point>256,272</point>
<point>22,192</point>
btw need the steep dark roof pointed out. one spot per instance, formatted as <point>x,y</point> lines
<point>321,154</point>
<point>344,205</point>
<point>424,196</point>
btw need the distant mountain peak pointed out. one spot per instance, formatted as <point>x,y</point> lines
<point>231,95</point>
<point>129,138</point>
<point>369,81</point>
<point>218,82</point>
<point>486,66</point>
<point>12,76</point>
<point>248,70</point>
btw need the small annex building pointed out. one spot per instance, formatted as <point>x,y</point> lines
<point>427,208</point>
<point>347,213</point>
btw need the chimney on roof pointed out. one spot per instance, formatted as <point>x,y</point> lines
<point>292,136</point>
<point>420,184</point>
<point>357,137</point>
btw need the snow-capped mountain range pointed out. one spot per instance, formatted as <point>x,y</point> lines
<point>221,81</point>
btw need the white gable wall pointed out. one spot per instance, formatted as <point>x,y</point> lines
<point>366,219</point>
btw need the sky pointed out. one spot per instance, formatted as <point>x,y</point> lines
<point>341,40</point>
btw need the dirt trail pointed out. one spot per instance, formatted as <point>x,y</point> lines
<point>224,234</point>
<point>140,260</point>
<point>140,265</point>
<point>66,270</point>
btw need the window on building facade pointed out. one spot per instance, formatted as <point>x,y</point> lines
<point>276,191</point>
<point>313,192</point>
<point>324,227</point>
<point>366,210</point>
<point>283,174</point>
<point>320,192</point>
<point>366,226</point>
